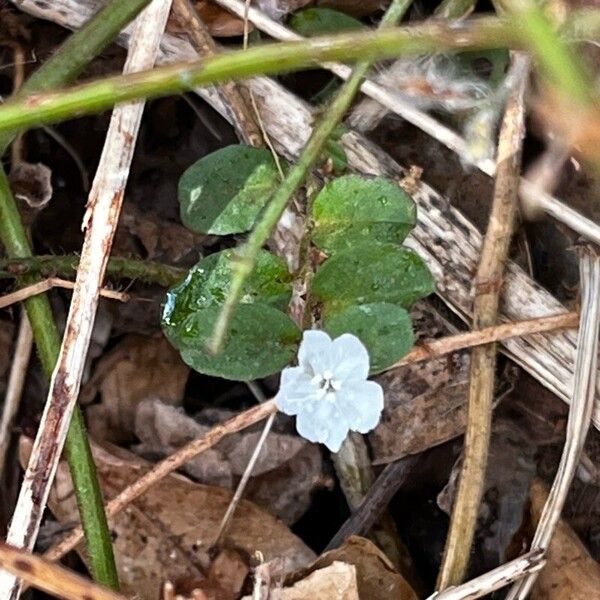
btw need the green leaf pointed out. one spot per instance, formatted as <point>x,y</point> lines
<point>319,21</point>
<point>207,284</point>
<point>224,192</point>
<point>385,329</point>
<point>352,209</point>
<point>261,341</point>
<point>372,272</point>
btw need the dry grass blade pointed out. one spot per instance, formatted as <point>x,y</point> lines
<point>580,414</point>
<point>485,584</point>
<point>168,465</point>
<point>488,283</point>
<point>16,381</point>
<point>101,219</point>
<point>52,578</point>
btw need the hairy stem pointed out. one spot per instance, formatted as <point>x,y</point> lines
<point>65,266</point>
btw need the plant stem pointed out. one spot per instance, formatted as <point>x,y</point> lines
<point>65,266</point>
<point>56,105</point>
<point>294,178</point>
<point>63,67</point>
<point>454,9</point>
<point>488,282</point>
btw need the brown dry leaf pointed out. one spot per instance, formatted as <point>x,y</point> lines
<point>287,471</point>
<point>335,581</point>
<point>425,403</point>
<point>376,577</point>
<point>570,572</point>
<point>136,369</point>
<point>166,534</point>
<point>219,22</point>
<point>32,183</point>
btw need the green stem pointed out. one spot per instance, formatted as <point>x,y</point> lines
<point>56,105</point>
<point>295,177</point>
<point>66,266</point>
<point>62,68</point>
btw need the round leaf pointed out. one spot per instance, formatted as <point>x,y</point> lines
<point>318,21</point>
<point>207,283</point>
<point>225,191</point>
<point>385,329</point>
<point>372,272</point>
<point>352,209</point>
<point>261,341</point>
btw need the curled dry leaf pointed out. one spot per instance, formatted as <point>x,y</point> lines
<point>219,22</point>
<point>32,183</point>
<point>570,571</point>
<point>286,473</point>
<point>376,577</point>
<point>166,534</point>
<point>136,369</point>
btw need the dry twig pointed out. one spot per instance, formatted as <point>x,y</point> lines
<point>52,578</point>
<point>16,381</point>
<point>580,413</point>
<point>101,219</point>
<point>485,584</point>
<point>47,284</point>
<point>488,283</point>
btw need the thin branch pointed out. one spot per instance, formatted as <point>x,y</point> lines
<point>46,285</point>
<point>52,578</point>
<point>488,335</point>
<point>16,381</point>
<point>66,266</point>
<point>375,500</point>
<point>168,465</point>
<point>101,219</point>
<point>580,413</point>
<point>485,584</point>
<point>488,283</point>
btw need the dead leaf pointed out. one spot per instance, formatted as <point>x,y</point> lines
<point>136,369</point>
<point>219,22</point>
<point>512,454</point>
<point>570,571</point>
<point>287,471</point>
<point>32,183</point>
<point>376,577</point>
<point>335,581</point>
<point>166,534</point>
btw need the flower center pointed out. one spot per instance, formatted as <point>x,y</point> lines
<point>327,385</point>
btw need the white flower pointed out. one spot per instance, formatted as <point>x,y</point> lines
<point>328,391</point>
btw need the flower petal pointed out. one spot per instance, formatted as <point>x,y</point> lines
<point>350,358</point>
<point>295,391</point>
<point>361,403</point>
<point>323,423</point>
<point>315,353</point>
